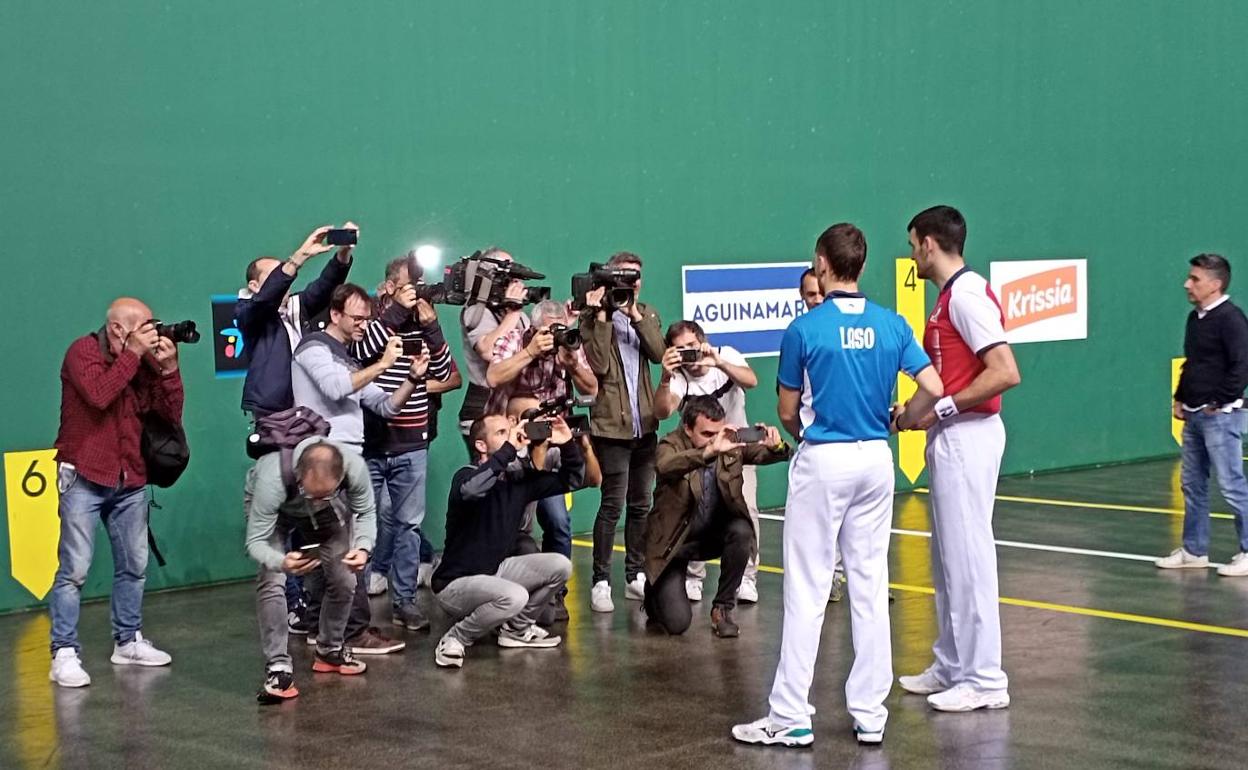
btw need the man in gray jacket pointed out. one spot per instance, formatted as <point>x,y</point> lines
<point>331,505</point>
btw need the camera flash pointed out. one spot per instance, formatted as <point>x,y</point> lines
<point>429,257</point>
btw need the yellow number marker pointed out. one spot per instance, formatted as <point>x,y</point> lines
<point>34,526</point>
<point>912,306</point>
<point>1176,426</point>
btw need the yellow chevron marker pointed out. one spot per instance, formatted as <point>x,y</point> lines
<point>912,306</point>
<point>1176,426</point>
<point>34,526</point>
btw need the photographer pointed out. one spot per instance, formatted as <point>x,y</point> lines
<point>692,367</point>
<point>396,449</point>
<point>620,343</point>
<point>477,583</point>
<point>540,360</point>
<point>332,506</point>
<point>272,320</point>
<point>109,380</point>
<point>481,325</point>
<point>701,513</point>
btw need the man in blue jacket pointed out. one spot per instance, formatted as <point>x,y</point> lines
<point>272,319</point>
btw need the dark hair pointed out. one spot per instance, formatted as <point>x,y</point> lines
<point>684,326</point>
<point>701,406</point>
<point>623,257</point>
<point>338,300</point>
<point>321,458</point>
<point>253,268</point>
<point>807,273</point>
<point>944,223</point>
<point>1216,265</point>
<point>845,248</point>
<point>476,431</point>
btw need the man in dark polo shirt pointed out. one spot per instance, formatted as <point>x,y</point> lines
<point>1210,400</point>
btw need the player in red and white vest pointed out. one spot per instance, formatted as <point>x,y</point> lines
<point>965,339</point>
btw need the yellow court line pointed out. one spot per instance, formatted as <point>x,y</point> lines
<point>1085,504</point>
<point>1068,609</point>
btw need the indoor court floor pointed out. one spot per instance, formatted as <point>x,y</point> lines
<point>1112,663</point>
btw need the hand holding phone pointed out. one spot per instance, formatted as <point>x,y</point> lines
<point>342,237</point>
<point>413,348</point>
<point>753,435</point>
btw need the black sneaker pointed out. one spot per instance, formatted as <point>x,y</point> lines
<point>722,623</point>
<point>278,686</point>
<point>408,615</point>
<point>296,619</point>
<point>339,661</point>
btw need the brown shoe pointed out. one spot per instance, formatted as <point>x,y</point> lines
<point>371,642</point>
<point>722,623</point>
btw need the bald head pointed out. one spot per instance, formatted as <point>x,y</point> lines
<point>129,312</point>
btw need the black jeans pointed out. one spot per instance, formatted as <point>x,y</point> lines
<point>627,479</point>
<point>361,616</point>
<point>666,601</point>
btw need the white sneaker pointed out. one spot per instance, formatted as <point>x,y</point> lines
<point>377,584</point>
<point>964,697</point>
<point>866,737</point>
<point>1181,559</point>
<point>636,590</point>
<point>925,683</point>
<point>764,732</point>
<point>450,653</point>
<point>748,592</point>
<point>139,652</point>
<point>533,636</point>
<point>1237,567</point>
<point>67,670</point>
<point>600,597</point>
<point>693,589</point>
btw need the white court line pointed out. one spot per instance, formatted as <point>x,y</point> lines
<point>1025,546</point>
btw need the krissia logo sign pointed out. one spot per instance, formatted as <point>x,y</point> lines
<point>1043,300</point>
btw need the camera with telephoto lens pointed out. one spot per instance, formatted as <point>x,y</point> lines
<point>479,279</point>
<point>566,336</point>
<point>180,332</point>
<point>538,427</point>
<point>620,285</point>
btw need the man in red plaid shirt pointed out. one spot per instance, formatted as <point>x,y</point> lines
<point>109,380</point>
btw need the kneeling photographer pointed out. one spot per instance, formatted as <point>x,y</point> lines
<point>700,511</point>
<point>478,583</point>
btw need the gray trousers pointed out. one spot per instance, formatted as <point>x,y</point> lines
<point>513,595</point>
<point>271,598</point>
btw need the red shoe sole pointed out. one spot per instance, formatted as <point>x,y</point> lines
<point>329,668</point>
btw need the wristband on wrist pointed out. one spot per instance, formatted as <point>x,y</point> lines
<point>945,408</point>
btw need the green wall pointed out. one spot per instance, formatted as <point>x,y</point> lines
<point>153,148</point>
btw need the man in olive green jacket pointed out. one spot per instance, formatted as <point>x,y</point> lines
<point>622,337</point>
<point>700,513</point>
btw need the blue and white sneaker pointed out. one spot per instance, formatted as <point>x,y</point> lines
<point>764,732</point>
<point>866,737</point>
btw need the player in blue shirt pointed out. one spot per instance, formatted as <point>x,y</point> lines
<point>838,368</point>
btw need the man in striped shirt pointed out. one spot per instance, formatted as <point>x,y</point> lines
<point>396,448</point>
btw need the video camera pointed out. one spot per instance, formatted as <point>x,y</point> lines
<point>539,417</point>
<point>478,279</point>
<point>180,332</point>
<point>621,286</point>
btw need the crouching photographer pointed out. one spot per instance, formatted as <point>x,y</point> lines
<point>477,583</point>
<point>114,384</point>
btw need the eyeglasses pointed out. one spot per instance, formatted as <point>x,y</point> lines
<point>324,499</point>
<point>359,319</point>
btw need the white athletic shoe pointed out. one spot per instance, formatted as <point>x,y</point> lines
<point>67,670</point>
<point>1181,559</point>
<point>748,591</point>
<point>764,732</point>
<point>600,597</point>
<point>964,697</point>
<point>377,584</point>
<point>1238,566</point>
<point>139,652</point>
<point>533,636</point>
<point>866,737</point>
<point>450,653</point>
<point>693,589</point>
<point>636,590</point>
<point>925,683</point>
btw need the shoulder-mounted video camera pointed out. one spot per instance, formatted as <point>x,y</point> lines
<point>620,285</point>
<point>476,278</point>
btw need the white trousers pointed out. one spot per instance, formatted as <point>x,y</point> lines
<point>749,490</point>
<point>963,460</point>
<point>839,494</point>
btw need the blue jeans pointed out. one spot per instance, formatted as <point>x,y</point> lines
<point>552,514</point>
<point>403,478</point>
<point>1213,440</point>
<point>124,513</point>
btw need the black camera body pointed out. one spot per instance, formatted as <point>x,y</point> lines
<point>538,426</point>
<point>566,336</point>
<point>180,332</point>
<point>620,285</point>
<point>690,355</point>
